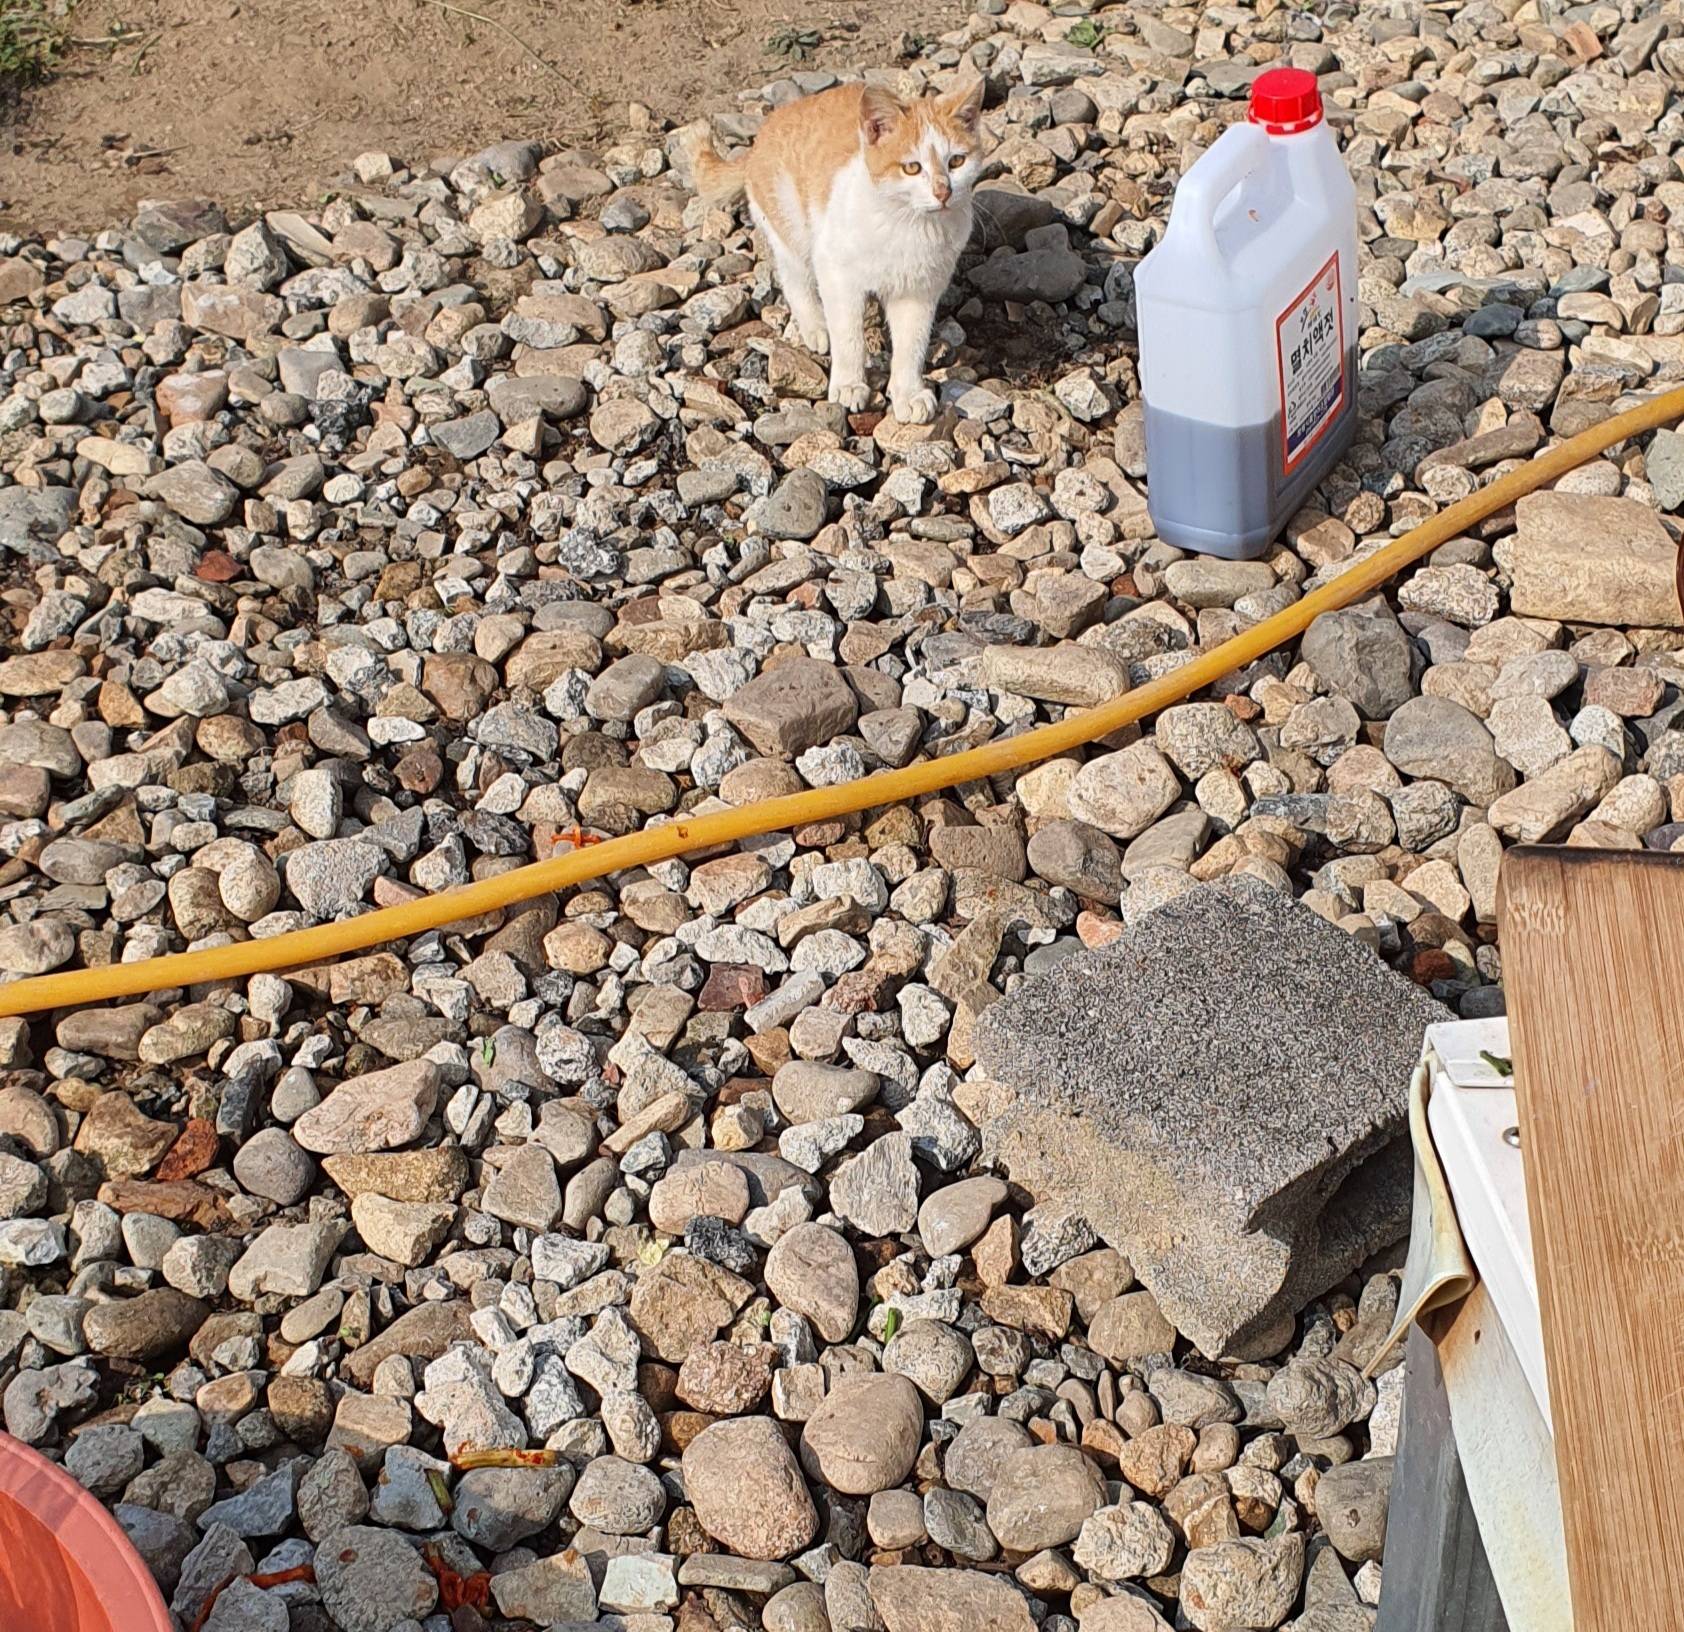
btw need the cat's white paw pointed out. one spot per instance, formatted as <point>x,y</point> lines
<point>914,407</point>
<point>853,397</point>
<point>816,340</point>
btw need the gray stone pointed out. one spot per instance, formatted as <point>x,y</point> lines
<point>1434,737</point>
<point>36,1395</point>
<point>1043,1496</point>
<point>332,875</point>
<point>913,1599</point>
<point>617,1497</point>
<point>195,491</point>
<point>271,1165</point>
<point>933,1354</point>
<point>1316,1399</point>
<point>468,437</point>
<point>331,1494</point>
<point>625,688</point>
<point>1192,1400</point>
<point>515,398</point>
<point>743,1480</point>
<point>865,1436</point>
<point>460,1398</point>
<point>1664,466</point>
<point>979,1450</point>
<point>23,1187</point>
<point>1365,655</point>
<point>497,1507</point>
<point>263,1508</point>
<point>1245,1583</point>
<point>162,1540</point>
<point>1078,857</point>
<point>220,1555</point>
<point>877,1190</point>
<point>34,515</point>
<point>796,705</point>
<point>639,1584</point>
<point>795,509</point>
<point>1200,737</point>
<point>1148,1092</point>
<point>1125,1543</point>
<point>1351,1502</point>
<point>956,1523</point>
<point>799,1607</point>
<point>1052,273</point>
<point>105,1458</point>
<point>372,1579</point>
<point>553,1590</point>
<point>288,1259</point>
<point>242,1607</point>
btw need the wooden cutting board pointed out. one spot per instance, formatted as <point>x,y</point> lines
<point>1593,965</point>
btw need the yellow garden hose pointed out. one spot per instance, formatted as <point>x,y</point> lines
<point>302,947</point>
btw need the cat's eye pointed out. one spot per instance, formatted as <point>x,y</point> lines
<point>957,162</point>
<point>911,167</point>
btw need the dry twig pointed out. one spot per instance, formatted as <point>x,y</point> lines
<point>504,29</point>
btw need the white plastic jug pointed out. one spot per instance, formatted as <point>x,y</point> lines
<point>1248,327</point>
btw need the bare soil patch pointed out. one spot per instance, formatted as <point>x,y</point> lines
<point>259,102</point>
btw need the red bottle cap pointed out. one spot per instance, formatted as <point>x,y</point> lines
<point>1285,101</point>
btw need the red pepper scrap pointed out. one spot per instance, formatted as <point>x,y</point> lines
<point>457,1591</point>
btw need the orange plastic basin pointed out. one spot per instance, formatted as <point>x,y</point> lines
<point>65,1564</point>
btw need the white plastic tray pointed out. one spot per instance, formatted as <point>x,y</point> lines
<point>1472,1114</point>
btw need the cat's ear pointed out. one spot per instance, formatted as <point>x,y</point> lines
<point>964,105</point>
<point>880,112</point>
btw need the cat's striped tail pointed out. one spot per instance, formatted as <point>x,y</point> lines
<point>717,180</point>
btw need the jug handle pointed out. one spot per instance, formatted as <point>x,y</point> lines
<point>1199,194</point>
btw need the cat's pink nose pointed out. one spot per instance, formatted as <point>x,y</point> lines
<point>942,191</point>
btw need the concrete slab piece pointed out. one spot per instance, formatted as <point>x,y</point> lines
<point>1223,1091</point>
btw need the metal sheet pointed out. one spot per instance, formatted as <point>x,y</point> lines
<point>1508,1463</point>
<point>1436,1576</point>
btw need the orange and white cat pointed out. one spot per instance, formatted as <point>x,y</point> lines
<point>861,193</point>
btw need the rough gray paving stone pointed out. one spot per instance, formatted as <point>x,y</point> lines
<point>1195,1083</point>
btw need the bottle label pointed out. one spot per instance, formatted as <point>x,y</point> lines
<point>1310,342</point>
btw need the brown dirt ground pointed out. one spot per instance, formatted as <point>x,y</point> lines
<point>263,102</point>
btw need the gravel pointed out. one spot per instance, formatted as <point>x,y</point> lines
<point>483,508</point>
